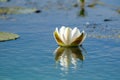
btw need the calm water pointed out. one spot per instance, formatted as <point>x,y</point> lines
<point>33,56</point>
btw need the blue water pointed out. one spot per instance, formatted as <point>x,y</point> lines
<point>32,56</point>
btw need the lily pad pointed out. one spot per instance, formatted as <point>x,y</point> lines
<point>5,36</point>
<point>17,10</point>
<point>4,0</point>
<point>118,11</point>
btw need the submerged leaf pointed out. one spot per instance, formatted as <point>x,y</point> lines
<point>5,36</point>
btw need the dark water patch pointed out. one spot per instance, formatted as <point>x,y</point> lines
<point>105,20</point>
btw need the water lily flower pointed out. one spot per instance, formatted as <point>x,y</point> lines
<point>67,36</point>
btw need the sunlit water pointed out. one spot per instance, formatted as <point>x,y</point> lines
<point>33,56</point>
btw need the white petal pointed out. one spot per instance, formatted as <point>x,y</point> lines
<point>70,35</point>
<point>61,31</point>
<point>56,30</point>
<point>67,35</point>
<point>83,37</point>
<point>75,33</point>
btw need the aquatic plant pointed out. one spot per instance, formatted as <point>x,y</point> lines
<point>67,36</point>
<point>5,36</point>
<point>17,10</point>
<point>82,3</point>
<point>82,12</point>
<point>4,0</point>
<point>118,10</point>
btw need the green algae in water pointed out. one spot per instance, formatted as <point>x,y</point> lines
<point>5,36</point>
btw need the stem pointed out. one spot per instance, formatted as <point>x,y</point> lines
<point>82,3</point>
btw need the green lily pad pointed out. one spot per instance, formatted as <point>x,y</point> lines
<point>17,10</point>
<point>118,11</point>
<point>4,0</point>
<point>5,36</point>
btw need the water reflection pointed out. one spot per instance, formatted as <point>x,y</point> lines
<point>82,12</point>
<point>69,56</point>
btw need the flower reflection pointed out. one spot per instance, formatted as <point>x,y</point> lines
<point>68,56</point>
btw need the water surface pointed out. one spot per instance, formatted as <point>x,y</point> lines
<point>32,56</point>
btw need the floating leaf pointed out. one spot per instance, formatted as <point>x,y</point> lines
<point>4,0</point>
<point>96,2</point>
<point>92,5</point>
<point>5,36</point>
<point>17,10</point>
<point>118,11</point>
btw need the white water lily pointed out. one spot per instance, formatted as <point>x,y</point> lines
<point>67,36</point>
